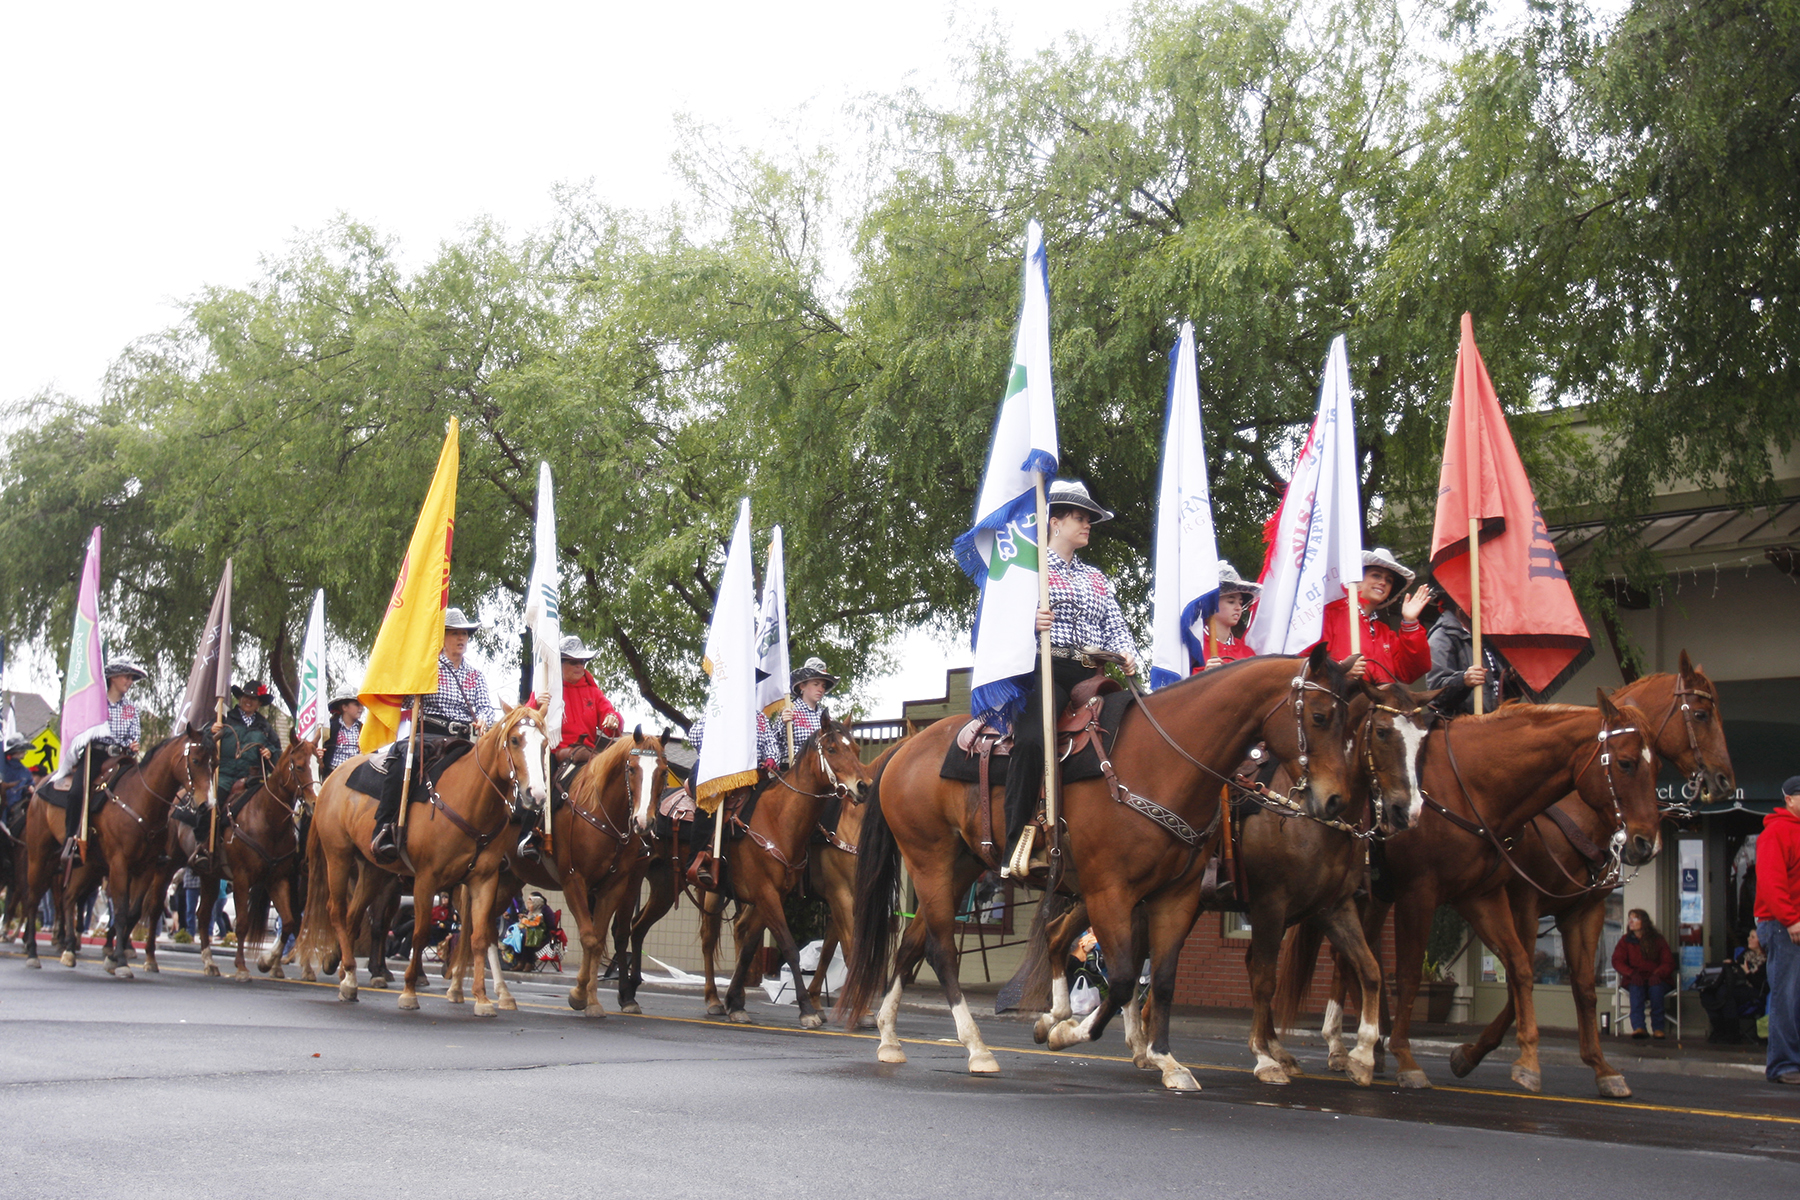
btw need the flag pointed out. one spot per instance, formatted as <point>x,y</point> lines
<point>84,707</point>
<point>1000,551</point>
<point>728,751</point>
<point>1187,551</point>
<point>1315,539</point>
<point>543,607</point>
<point>404,661</point>
<point>309,699</point>
<point>1528,612</point>
<point>772,633</point>
<point>209,679</point>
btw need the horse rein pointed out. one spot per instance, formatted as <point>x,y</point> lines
<point>187,770</point>
<point>1677,808</point>
<point>839,789</point>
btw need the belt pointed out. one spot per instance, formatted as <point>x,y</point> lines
<point>459,729</point>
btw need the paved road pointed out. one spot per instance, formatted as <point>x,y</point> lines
<point>175,1085</point>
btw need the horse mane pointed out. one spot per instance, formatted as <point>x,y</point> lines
<point>203,736</point>
<point>1334,672</point>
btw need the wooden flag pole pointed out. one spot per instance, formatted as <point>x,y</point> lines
<point>212,786</point>
<point>1356,616</point>
<point>1475,606</point>
<point>87,766</point>
<point>1046,683</point>
<point>412,739</point>
<point>790,734</point>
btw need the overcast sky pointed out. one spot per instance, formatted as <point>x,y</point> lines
<point>156,149</point>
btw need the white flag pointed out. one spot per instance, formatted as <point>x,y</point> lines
<point>309,697</point>
<point>728,752</point>
<point>772,633</point>
<point>1187,551</point>
<point>1315,549</point>
<point>543,605</point>
<point>1000,551</point>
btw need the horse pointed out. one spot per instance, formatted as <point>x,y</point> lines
<point>1135,838</point>
<point>831,873</point>
<point>128,838</point>
<point>1548,854</point>
<point>1484,778</point>
<point>476,796</point>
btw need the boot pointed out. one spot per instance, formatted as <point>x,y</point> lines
<point>384,846</point>
<point>529,847</point>
<point>200,861</point>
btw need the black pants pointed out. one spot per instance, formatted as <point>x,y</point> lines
<point>388,811</point>
<point>1025,773</point>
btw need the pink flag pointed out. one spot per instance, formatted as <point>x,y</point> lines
<point>84,686</point>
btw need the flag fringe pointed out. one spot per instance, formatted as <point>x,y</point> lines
<point>1000,701</point>
<point>716,789</point>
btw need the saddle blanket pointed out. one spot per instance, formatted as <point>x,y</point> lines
<point>1083,764</point>
<point>370,775</point>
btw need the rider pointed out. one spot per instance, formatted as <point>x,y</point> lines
<point>124,727</point>
<point>247,742</point>
<point>587,717</point>
<point>1387,656</point>
<point>808,686</point>
<point>1225,623</point>
<point>1083,615</point>
<point>1452,655</point>
<point>16,779</point>
<point>462,707</point>
<point>345,729</point>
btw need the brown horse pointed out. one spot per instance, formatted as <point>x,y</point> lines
<point>1683,709</point>
<point>1136,841</point>
<point>831,873</point>
<point>128,839</point>
<point>453,837</point>
<point>1485,778</point>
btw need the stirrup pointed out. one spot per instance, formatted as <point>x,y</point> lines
<point>384,844</point>
<point>528,847</point>
<point>187,814</point>
<point>200,861</point>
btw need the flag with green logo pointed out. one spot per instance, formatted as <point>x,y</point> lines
<point>84,708</point>
<point>1000,551</point>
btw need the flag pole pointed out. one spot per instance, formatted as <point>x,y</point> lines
<point>412,739</point>
<point>87,766</point>
<point>1356,617</point>
<point>1046,684</point>
<point>1475,606</point>
<point>212,785</point>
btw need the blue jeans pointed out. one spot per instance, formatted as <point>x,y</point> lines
<point>1784,998</point>
<point>1655,993</point>
<point>190,901</point>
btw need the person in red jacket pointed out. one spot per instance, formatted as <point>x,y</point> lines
<point>588,715</point>
<point>1646,968</point>
<point>1387,656</point>
<point>1224,627</point>
<point>1778,929</point>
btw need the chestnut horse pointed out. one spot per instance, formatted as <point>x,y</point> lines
<point>127,840</point>
<point>831,873</point>
<point>1683,709</point>
<point>475,798</point>
<point>1485,778</point>
<point>1135,842</point>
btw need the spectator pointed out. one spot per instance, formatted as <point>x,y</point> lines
<point>1778,930</point>
<point>190,904</point>
<point>1646,967</point>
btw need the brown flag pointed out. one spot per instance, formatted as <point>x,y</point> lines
<point>210,676</point>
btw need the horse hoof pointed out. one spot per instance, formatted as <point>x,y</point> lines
<point>68,958</point>
<point>1272,1073</point>
<point>715,1010</point>
<point>1462,1061</point>
<point>123,972</point>
<point>631,1008</point>
<point>1141,1060</point>
<point>1613,1087</point>
<point>347,991</point>
<point>868,1022</point>
<point>1066,1034</point>
<point>981,1062</point>
<point>210,970</point>
<point>1361,1074</point>
<point>1412,1079</point>
<point>812,1021</point>
<point>379,983</point>
<point>1040,1030</point>
<point>110,967</point>
<point>739,1017</point>
<point>1289,1063</point>
<point>1180,1079</point>
<point>577,1000</point>
<point>241,977</point>
<point>32,964</point>
<point>409,1002</point>
<point>593,1010</point>
<point>1531,1081</point>
<point>486,1008</point>
<point>309,976</point>
<point>508,1004</point>
<point>455,997</point>
<point>152,968</point>
<point>1338,1061</point>
<point>276,972</point>
<point>890,1054</point>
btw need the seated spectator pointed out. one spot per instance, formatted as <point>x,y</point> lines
<point>1646,967</point>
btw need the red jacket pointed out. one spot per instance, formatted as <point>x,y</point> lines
<point>1393,657</point>
<point>1230,650</point>
<point>1637,967</point>
<point>587,714</point>
<point>1778,868</point>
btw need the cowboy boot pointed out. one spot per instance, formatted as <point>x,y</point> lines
<point>384,845</point>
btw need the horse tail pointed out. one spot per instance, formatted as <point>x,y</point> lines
<point>257,924</point>
<point>1029,989</point>
<point>877,875</point>
<point>315,932</point>
<point>1294,976</point>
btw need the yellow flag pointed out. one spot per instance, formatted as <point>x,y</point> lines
<point>404,661</point>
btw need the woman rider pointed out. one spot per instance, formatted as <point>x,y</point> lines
<point>1083,615</point>
<point>808,686</point>
<point>1226,622</point>
<point>247,742</point>
<point>1387,656</point>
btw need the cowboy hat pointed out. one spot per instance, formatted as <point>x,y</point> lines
<point>1074,494</point>
<point>454,619</point>
<point>124,666</point>
<point>1382,557</point>
<point>16,743</point>
<point>1230,581</point>
<point>575,650</point>
<point>341,697</point>
<point>812,668</point>
<point>254,690</point>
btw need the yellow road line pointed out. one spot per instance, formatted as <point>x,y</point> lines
<point>716,1023</point>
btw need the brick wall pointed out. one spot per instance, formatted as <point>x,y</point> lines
<point>1213,974</point>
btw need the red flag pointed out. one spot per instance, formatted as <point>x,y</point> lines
<point>1528,612</point>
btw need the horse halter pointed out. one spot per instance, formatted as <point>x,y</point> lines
<point>1378,794</point>
<point>1681,809</point>
<point>838,787</point>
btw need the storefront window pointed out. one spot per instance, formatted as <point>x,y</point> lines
<point>1549,965</point>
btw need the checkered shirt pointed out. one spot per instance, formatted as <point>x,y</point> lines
<point>806,723</point>
<point>767,745</point>
<point>345,748</point>
<point>123,725</point>
<point>1083,613</point>
<point>462,695</point>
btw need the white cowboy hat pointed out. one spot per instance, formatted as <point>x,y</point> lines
<point>575,650</point>
<point>1381,556</point>
<point>124,666</point>
<point>454,619</point>
<point>1074,493</point>
<point>341,697</point>
<point>1230,581</point>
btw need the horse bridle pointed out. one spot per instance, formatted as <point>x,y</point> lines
<point>601,820</point>
<point>838,787</point>
<point>187,771</point>
<point>1677,808</point>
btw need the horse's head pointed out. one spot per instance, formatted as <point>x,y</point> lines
<point>292,773</point>
<point>830,761</point>
<point>645,769</point>
<point>1310,734</point>
<point>520,736</point>
<point>1616,777</point>
<point>1391,740</point>
<point>199,752</point>
<point>1697,748</point>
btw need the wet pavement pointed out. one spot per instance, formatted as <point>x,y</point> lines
<point>180,1085</point>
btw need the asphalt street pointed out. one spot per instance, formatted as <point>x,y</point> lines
<point>179,1085</point>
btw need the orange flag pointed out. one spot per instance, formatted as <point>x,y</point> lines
<point>1528,612</point>
<point>404,661</point>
